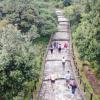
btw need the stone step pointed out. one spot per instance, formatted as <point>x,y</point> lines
<point>58,91</point>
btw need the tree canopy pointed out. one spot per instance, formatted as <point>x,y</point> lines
<point>85,21</point>
<point>27,20</point>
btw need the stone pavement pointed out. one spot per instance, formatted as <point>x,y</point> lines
<point>53,65</point>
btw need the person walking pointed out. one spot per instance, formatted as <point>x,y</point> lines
<point>63,62</point>
<point>55,44</point>
<point>51,48</point>
<point>59,48</point>
<point>52,79</point>
<point>73,86</point>
<point>68,77</point>
<point>65,46</point>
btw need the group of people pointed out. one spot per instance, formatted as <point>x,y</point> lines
<point>69,81</point>
<point>56,45</point>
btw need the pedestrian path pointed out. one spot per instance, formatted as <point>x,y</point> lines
<point>53,66</point>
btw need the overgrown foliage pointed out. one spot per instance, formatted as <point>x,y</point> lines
<point>20,56</point>
<point>85,22</point>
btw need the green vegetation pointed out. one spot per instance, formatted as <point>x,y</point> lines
<point>84,16</point>
<point>85,19</point>
<point>25,28</point>
<point>67,2</point>
<point>83,76</point>
<point>56,3</point>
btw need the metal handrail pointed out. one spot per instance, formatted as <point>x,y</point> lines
<point>43,66</point>
<point>81,80</point>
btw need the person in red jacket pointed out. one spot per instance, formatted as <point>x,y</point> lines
<point>65,46</point>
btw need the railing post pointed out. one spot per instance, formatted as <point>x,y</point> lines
<point>80,79</point>
<point>91,96</point>
<point>84,87</point>
<point>32,95</point>
<point>76,63</point>
<point>78,72</point>
<point>76,67</point>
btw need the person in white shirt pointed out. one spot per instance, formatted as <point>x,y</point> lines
<point>68,77</point>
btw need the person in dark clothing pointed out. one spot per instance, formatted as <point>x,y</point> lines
<point>59,48</point>
<point>73,86</point>
<point>51,49</point>
<point>55,45</point>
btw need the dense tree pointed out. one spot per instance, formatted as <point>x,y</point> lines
<point>26,13</point>
<point>16,63</point>
<point>86,29</point>
<point>27,20</point>
<point>67,2</point>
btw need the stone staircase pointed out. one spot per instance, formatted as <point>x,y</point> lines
<point>53,65</point>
